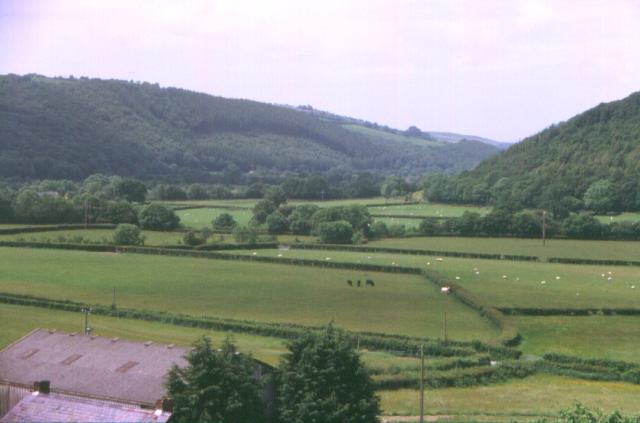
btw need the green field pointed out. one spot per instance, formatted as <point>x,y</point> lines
<point>98,236</point>
<point>266,292</point>
<point>617,250</point>
<point>203,218</point>
<point>538,395</point>
<point>383,135</point>
<point>429,210</point>
<point>390,221</point>
<point>622,217</point>
<point>610,337</point>
<point>264,348</point>
<point>577,287</point>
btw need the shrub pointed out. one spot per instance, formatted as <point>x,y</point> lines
<point>339,232</point>
<point>193,238</point>
<point>155,216</point>
<point>277,223</point>
<point>245,234</point>
<point>127,234</point>
<point>224,222</point>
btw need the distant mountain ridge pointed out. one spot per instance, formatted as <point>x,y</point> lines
<point>73,127</point>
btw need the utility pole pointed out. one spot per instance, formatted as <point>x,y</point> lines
<point>445,290</point>
<point>87,329</point>
<point>421,383</point>
<point>544,228</point>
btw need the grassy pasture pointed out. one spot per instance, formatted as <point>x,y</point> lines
<point>408,222</point>
<point>429,210</point>
<point>203,218</point>
<point>537,395</point>
<point>242,202</point>
<point>264,348</point>
<point>610,337</point>
<point>622,217</point>
<point>618,250</point>
<point>399,304</point>
<point>522,286</point>
<point>95,235</point>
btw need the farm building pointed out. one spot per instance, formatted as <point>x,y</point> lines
<point>94,378</point>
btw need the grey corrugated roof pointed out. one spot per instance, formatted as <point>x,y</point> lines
<point>62,408</point>
<point>97,366</point>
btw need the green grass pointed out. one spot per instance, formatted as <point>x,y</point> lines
<point>243,202</point>
<point>429,210</point>
<point>264,348</point>
<point>94,235</point>
<point>622,217</point>
<point>266,292</point>
<point>537,395</point>
<point>522,286</point>
<point>389,221</point>
<point>203,218</point>
<point>610,337</point>
<point>388,136</point>
<point>618,250</point>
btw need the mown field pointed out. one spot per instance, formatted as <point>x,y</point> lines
<point>622,217</point>
<point>266,292</point>
<point>263,348</point>
<point>407,222</point>
<point>536,396</point>
<point>609,337</point>
<point>617,250</point>
<point>98,236</point>
<point>505,283</point>
<point>428,210</point>
<point>203,218</point>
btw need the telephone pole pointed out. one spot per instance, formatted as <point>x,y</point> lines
<point>421,383</point>
<point>87,329</point>
<point>544,228</point>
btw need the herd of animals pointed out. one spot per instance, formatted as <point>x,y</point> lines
<point>368,282</point>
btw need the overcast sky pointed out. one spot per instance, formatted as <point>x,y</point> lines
<point>503,69</point>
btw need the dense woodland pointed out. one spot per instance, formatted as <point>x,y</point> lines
<point>591,161</point>
<point>70,128</point>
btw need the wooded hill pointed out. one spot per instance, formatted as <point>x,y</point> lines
<point>70,128</point>
<point>591,161</point>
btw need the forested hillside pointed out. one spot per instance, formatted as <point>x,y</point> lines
<point>70,128</point>
<point>591,161</point>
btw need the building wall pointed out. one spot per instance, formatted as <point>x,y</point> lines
<point>10,395</point>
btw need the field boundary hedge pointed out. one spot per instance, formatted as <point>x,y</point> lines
<point>460,377</point>
<point>592,369</point>
<point>273,260</point>
<point>396,203</point>
<point>51,228</point>
<point>600,262</point>
<point>256,246</point>
<point>397,344</point>
<point>523,311</point>
<point>509,334</point>
<point>411,251</point>
<point>61,246</point>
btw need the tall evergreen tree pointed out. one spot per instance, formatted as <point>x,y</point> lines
<point>322,380</point>
<point>218,386</point>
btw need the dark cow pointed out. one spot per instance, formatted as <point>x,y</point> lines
<point>370,283</point>
<point>358,283</point>
<point>349,282</point>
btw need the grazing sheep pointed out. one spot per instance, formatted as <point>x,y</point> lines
<point>370,283</point>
